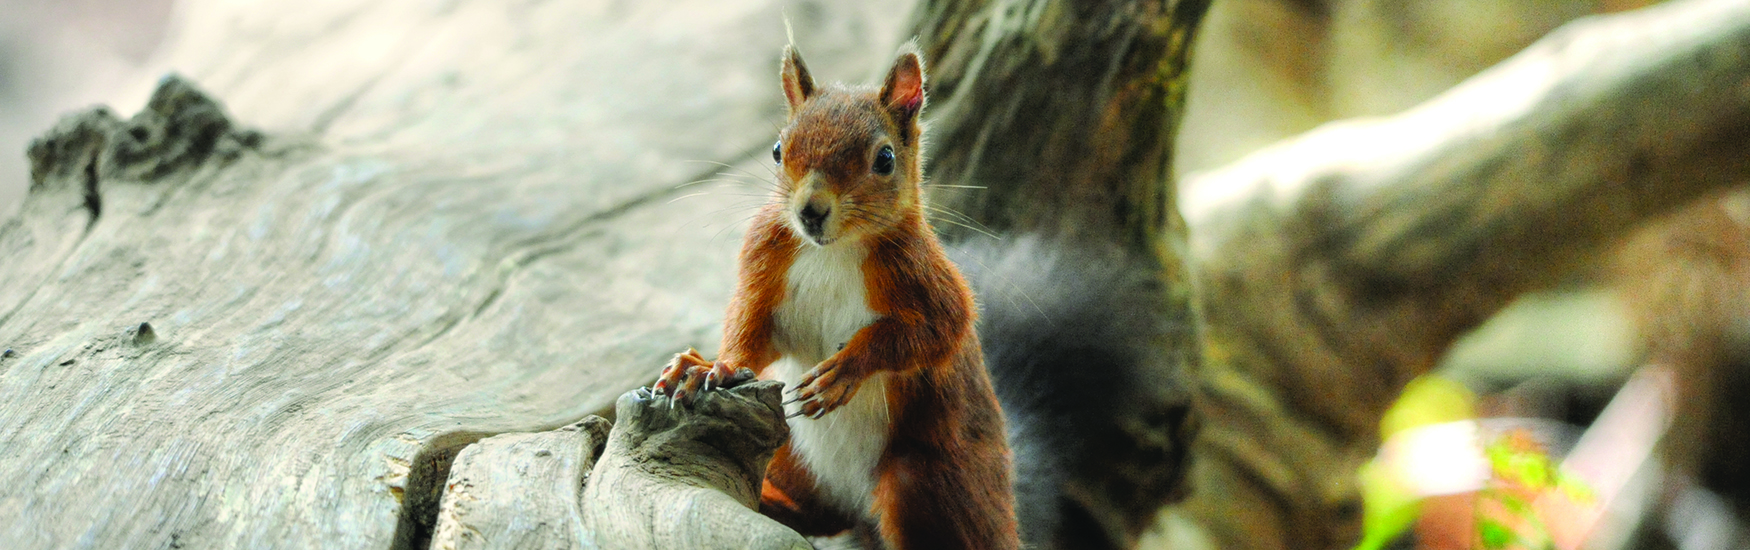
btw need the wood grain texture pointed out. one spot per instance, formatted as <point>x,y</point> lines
<point>1342,263</point>
<point>459,225</point>
<point>689,475</point>
<point>520,490</point>
<point>667,476</point>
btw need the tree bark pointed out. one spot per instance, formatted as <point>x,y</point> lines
<point>1340,264</point>
<point>1059,115</point>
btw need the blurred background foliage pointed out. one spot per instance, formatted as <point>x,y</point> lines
<point>1671,296</point>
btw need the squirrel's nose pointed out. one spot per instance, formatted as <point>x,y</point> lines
<point>813,216</point>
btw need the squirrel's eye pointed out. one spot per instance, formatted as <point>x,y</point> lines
<point>883,161</point>
<point>778,152</point>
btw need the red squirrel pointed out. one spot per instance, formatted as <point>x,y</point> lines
<point>845,294</point>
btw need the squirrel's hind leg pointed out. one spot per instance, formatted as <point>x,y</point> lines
<point>790,497</point>
<point>919,503</point>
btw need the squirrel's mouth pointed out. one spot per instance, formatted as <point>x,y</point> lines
<point>816,237</point>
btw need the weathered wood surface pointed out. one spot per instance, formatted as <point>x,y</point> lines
<point>1340,264</point>
<point>689,475</point>
<point>520,490</point>
<point>464,229</point>
<point>669,476</point>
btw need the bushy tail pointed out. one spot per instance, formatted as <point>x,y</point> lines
<point>1099,415</point>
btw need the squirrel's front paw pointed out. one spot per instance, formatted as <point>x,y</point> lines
<point>689,373</point>
<point>824,388</point>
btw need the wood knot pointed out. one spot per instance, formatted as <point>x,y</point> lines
<point>179,128</point>
<point>144,334</point>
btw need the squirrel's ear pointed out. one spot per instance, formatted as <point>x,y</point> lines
<point>798,84</point>
<point>903,93</point>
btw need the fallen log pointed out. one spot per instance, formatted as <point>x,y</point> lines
<point>459,220</point>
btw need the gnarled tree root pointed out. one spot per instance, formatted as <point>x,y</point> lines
<point>667,475</point>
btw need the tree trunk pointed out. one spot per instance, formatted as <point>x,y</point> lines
<point>1059,115</point>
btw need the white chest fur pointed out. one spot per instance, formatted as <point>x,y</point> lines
<point>824,301</point>
<point>824,305</point>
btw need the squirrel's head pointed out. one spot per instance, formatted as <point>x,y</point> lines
<point>848,157</point>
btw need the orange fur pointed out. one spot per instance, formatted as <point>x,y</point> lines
<point>942,480</point>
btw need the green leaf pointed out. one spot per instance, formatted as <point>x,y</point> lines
<point>1518,506</point>
<point>1494,535</point>
<point>1388,510</point>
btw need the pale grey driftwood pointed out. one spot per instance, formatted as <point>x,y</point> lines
<point>464,222</point>
<point>688,476</point>
<point>668,476</point>
<point>520,490</point>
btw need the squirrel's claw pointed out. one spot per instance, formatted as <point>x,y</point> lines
<point>689,374</point>
<point>814,408</point>
<point>681,378</point>
<point>817,401</point>
<point>824,388</point>
<point>719,375</point>
<point>801,393</point>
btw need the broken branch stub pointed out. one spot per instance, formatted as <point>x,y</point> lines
<point>519,490</point>
<point>688,476</point>
<point>667,475</point>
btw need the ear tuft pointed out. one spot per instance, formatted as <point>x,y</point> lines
<point>903,92</point>
<point>798,84</point>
